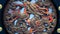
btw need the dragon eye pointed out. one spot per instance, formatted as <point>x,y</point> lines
<point>30,17</point>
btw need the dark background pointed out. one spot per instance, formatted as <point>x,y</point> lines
<point>4,2</point>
